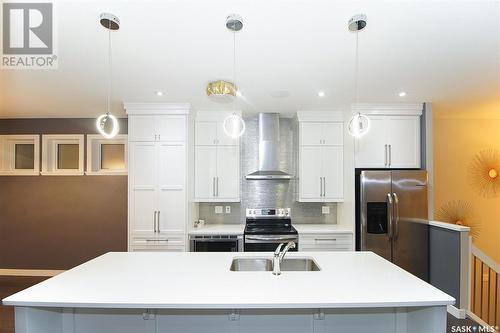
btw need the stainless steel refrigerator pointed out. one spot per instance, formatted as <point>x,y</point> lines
<point>392,217</point>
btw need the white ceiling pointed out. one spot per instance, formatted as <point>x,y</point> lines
<point>434,50</point>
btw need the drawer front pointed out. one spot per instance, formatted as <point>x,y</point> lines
<point>325,242</point>
<point>325,239</point>
<point>159,248</point>
<point>339,248</point>
<point>175,242</point>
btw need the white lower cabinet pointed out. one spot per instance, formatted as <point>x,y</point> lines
<point>326,242</point>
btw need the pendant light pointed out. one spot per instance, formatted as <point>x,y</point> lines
<point>359,124</point>
<point>234,125</point>
<point>107,120</point>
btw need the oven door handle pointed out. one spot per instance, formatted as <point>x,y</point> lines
<point>271,238</point>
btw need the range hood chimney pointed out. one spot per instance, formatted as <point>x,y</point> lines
<point>269,149</point>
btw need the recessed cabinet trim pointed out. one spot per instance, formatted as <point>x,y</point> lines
<point>9,161</point>
<point>53,148</point>
<point>96,158</point>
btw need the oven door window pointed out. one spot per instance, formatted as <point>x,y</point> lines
<point>216,246</point>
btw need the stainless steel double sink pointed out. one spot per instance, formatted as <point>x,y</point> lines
<point>249,264</point>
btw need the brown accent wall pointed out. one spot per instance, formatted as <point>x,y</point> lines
<point>57,222</point>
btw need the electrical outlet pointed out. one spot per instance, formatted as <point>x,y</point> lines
<point>218,209</point>
<point>228,209</point>
<point>325,209</point>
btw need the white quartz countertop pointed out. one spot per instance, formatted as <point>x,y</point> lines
<point>237,229</point>
<point>322,228</point>
<point>203,281</point>
<point>218,229</point>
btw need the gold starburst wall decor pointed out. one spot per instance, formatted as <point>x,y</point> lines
<point>461,213</point>
<point>484,173</point>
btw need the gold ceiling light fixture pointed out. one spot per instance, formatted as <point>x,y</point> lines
<point>459,212</point>
<point>107,124</point>
<point>221,89</point>
<point>234,125</point>
<point>484,171</point>
<point>359,124</point>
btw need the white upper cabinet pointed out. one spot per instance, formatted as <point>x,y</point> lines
<point>217,160</point>
<point>321,157</point>
<point>211,133</point>
<point>393,141</point>
<point>166,128</point>
<point>321,133</point>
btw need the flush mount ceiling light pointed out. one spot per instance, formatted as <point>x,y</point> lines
<point>221,89</point>
<point>402,94</point>
<point>107,124</point>
<point>359,124</point>
<point>159,93</point>
<point>321,93</point>
<point>234,125</point>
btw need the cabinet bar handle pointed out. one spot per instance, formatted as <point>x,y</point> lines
<point>324,187</point>
<point>154,221</point>
<point>325,239</point>
<point>390,155</point>
<point>320,186</point>
<point>213,186</point>
<point>385,155</point>
<point>158,222</point>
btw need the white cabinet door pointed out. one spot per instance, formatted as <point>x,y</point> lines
<point>228,173</point>
<point>171,128</point>
<point>370,148</point>
<point>333,173</point>
<point>205,133</point>
<point>310,172</point>
<point>404,140</point>
<point>222,138</point>
<point>143,187</point>
<point>205,172</point>
<point>142,128</point>
<point>333,134</point>
<point>172,187</point>
<point>311,133</point>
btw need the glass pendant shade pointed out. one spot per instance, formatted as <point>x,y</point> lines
<point>359,125</point>
<point>234,126</point>
<point>107,125</point>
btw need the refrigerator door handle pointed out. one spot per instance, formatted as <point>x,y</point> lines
<point>390,208</point>
<point>396,218</point>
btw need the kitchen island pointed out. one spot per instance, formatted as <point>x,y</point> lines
<point>198,292</point>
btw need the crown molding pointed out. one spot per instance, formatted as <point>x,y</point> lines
<point>156,108</point>
<point>214,115</point>
<point>406,109</point>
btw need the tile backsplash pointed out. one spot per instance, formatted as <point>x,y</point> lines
<point>269,193</point>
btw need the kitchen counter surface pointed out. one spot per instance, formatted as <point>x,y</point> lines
<point>218,229</point>
<point>449,226</point>
<point>185,280</point>
<point>322,228</point>
<point>237,229</point>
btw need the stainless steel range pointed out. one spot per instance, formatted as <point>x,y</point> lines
<point>266,228</point>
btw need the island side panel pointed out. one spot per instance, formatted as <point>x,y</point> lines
<point>357,320</point>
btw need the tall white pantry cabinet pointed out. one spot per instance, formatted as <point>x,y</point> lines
<point>158,178</point>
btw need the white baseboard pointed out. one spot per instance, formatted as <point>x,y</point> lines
<point>457,313</point>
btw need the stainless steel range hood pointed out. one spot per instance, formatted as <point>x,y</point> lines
<point>269,149</point>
